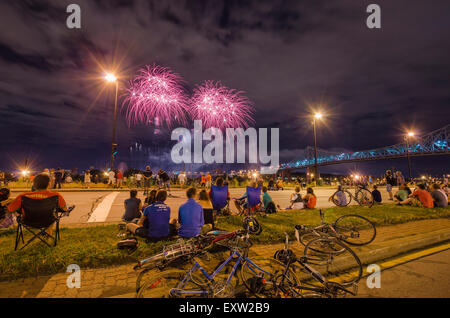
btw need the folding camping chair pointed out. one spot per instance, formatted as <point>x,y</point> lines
<point>37,216</point>
<point>253,201</point>
<point>219,200</point>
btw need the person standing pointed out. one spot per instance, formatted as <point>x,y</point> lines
<point>58,178</point>
<point>164,180</point>
<point>147,174</point>
<point>2,179</point>
<point>111,177</point>
<point>182,179</point>
<point>203,181</point>
<point>400,178</point>
<point>52,178</point>
<point>119,179</point>
<point>390,182</point>
<point>87,178</point>
<point>208,180</point>
<point>139,179</point>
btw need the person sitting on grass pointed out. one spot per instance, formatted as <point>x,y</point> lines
<point>339,197</point>
<point>150,199</point>
<point>376,195</point>
<point>6,218</point>
<point>133,207</point>
<point>402,193</point>
<point>310,199</point>
<point>419,198</point>
<point>205,202</point>
<point>269,206</point>
<point>155,224</point>
<point>190,216</point>
<point>296,200</point>
<point>440,198</point>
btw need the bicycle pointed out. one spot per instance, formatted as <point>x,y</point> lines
<point>184,251</point>
<point>246,211</point>
<point>257,274</point>
<point>289,287</point>
<point>362,196</point>
<point>352,229</point>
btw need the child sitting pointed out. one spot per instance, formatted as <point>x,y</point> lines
<point>296,200</point>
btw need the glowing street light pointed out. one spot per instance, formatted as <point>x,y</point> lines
<point>316,116</point>
<point>410,134</point>
<point>111,78</point>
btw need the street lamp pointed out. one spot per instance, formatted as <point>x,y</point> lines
<point>410,134</point>
<point>316,116</point>
<point>111,78</point>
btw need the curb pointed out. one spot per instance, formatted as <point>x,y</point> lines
<point>403,245</point>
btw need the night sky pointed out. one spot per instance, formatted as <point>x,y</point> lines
<point>373,84</point>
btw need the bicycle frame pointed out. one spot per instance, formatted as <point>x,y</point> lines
<point>303,262</point>
<point>180,288</point>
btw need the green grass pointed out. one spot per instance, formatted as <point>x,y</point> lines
<point>94,247</point>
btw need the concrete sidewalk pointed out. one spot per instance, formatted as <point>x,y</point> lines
<point>119,281</point>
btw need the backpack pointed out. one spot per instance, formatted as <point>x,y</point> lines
<point>129,244</point>
<point>271,208</point>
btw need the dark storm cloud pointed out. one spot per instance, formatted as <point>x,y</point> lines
<point>34,61</point>
<point>283,54</point>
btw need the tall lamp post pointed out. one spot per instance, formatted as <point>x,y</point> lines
<point>409,135</point>
<point>111,78</point>
<point>316,170</point>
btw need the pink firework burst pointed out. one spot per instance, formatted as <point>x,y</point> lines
<point>156,93</point>
<point>221,107</point>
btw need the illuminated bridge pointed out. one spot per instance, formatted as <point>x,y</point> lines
<point>434,143</point>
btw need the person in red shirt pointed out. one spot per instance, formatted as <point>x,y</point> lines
<point>310,199</point>
<point>119,179</point>
<point>420,197</point>
<point>40,186</point>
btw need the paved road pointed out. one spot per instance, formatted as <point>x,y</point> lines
<point>108,206</point>
<point>424,277</point>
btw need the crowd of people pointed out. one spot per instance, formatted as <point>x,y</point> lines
<point>151,218</point>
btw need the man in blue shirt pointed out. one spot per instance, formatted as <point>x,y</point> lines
<point>155,222</point>
<point>190,216</point>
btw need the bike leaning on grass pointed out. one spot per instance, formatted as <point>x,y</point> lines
<point>318,275</point>
<point>257,274</point>
<point>352,229</point>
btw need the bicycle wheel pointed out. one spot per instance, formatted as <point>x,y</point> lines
<point>260,275</point>
<point>307,237</point>
<point>324,246</point>
<point>343,267</point>
<point>364,197</point>
<point>166,285</point>
<point>341,198</point>
<point>355,229</point>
